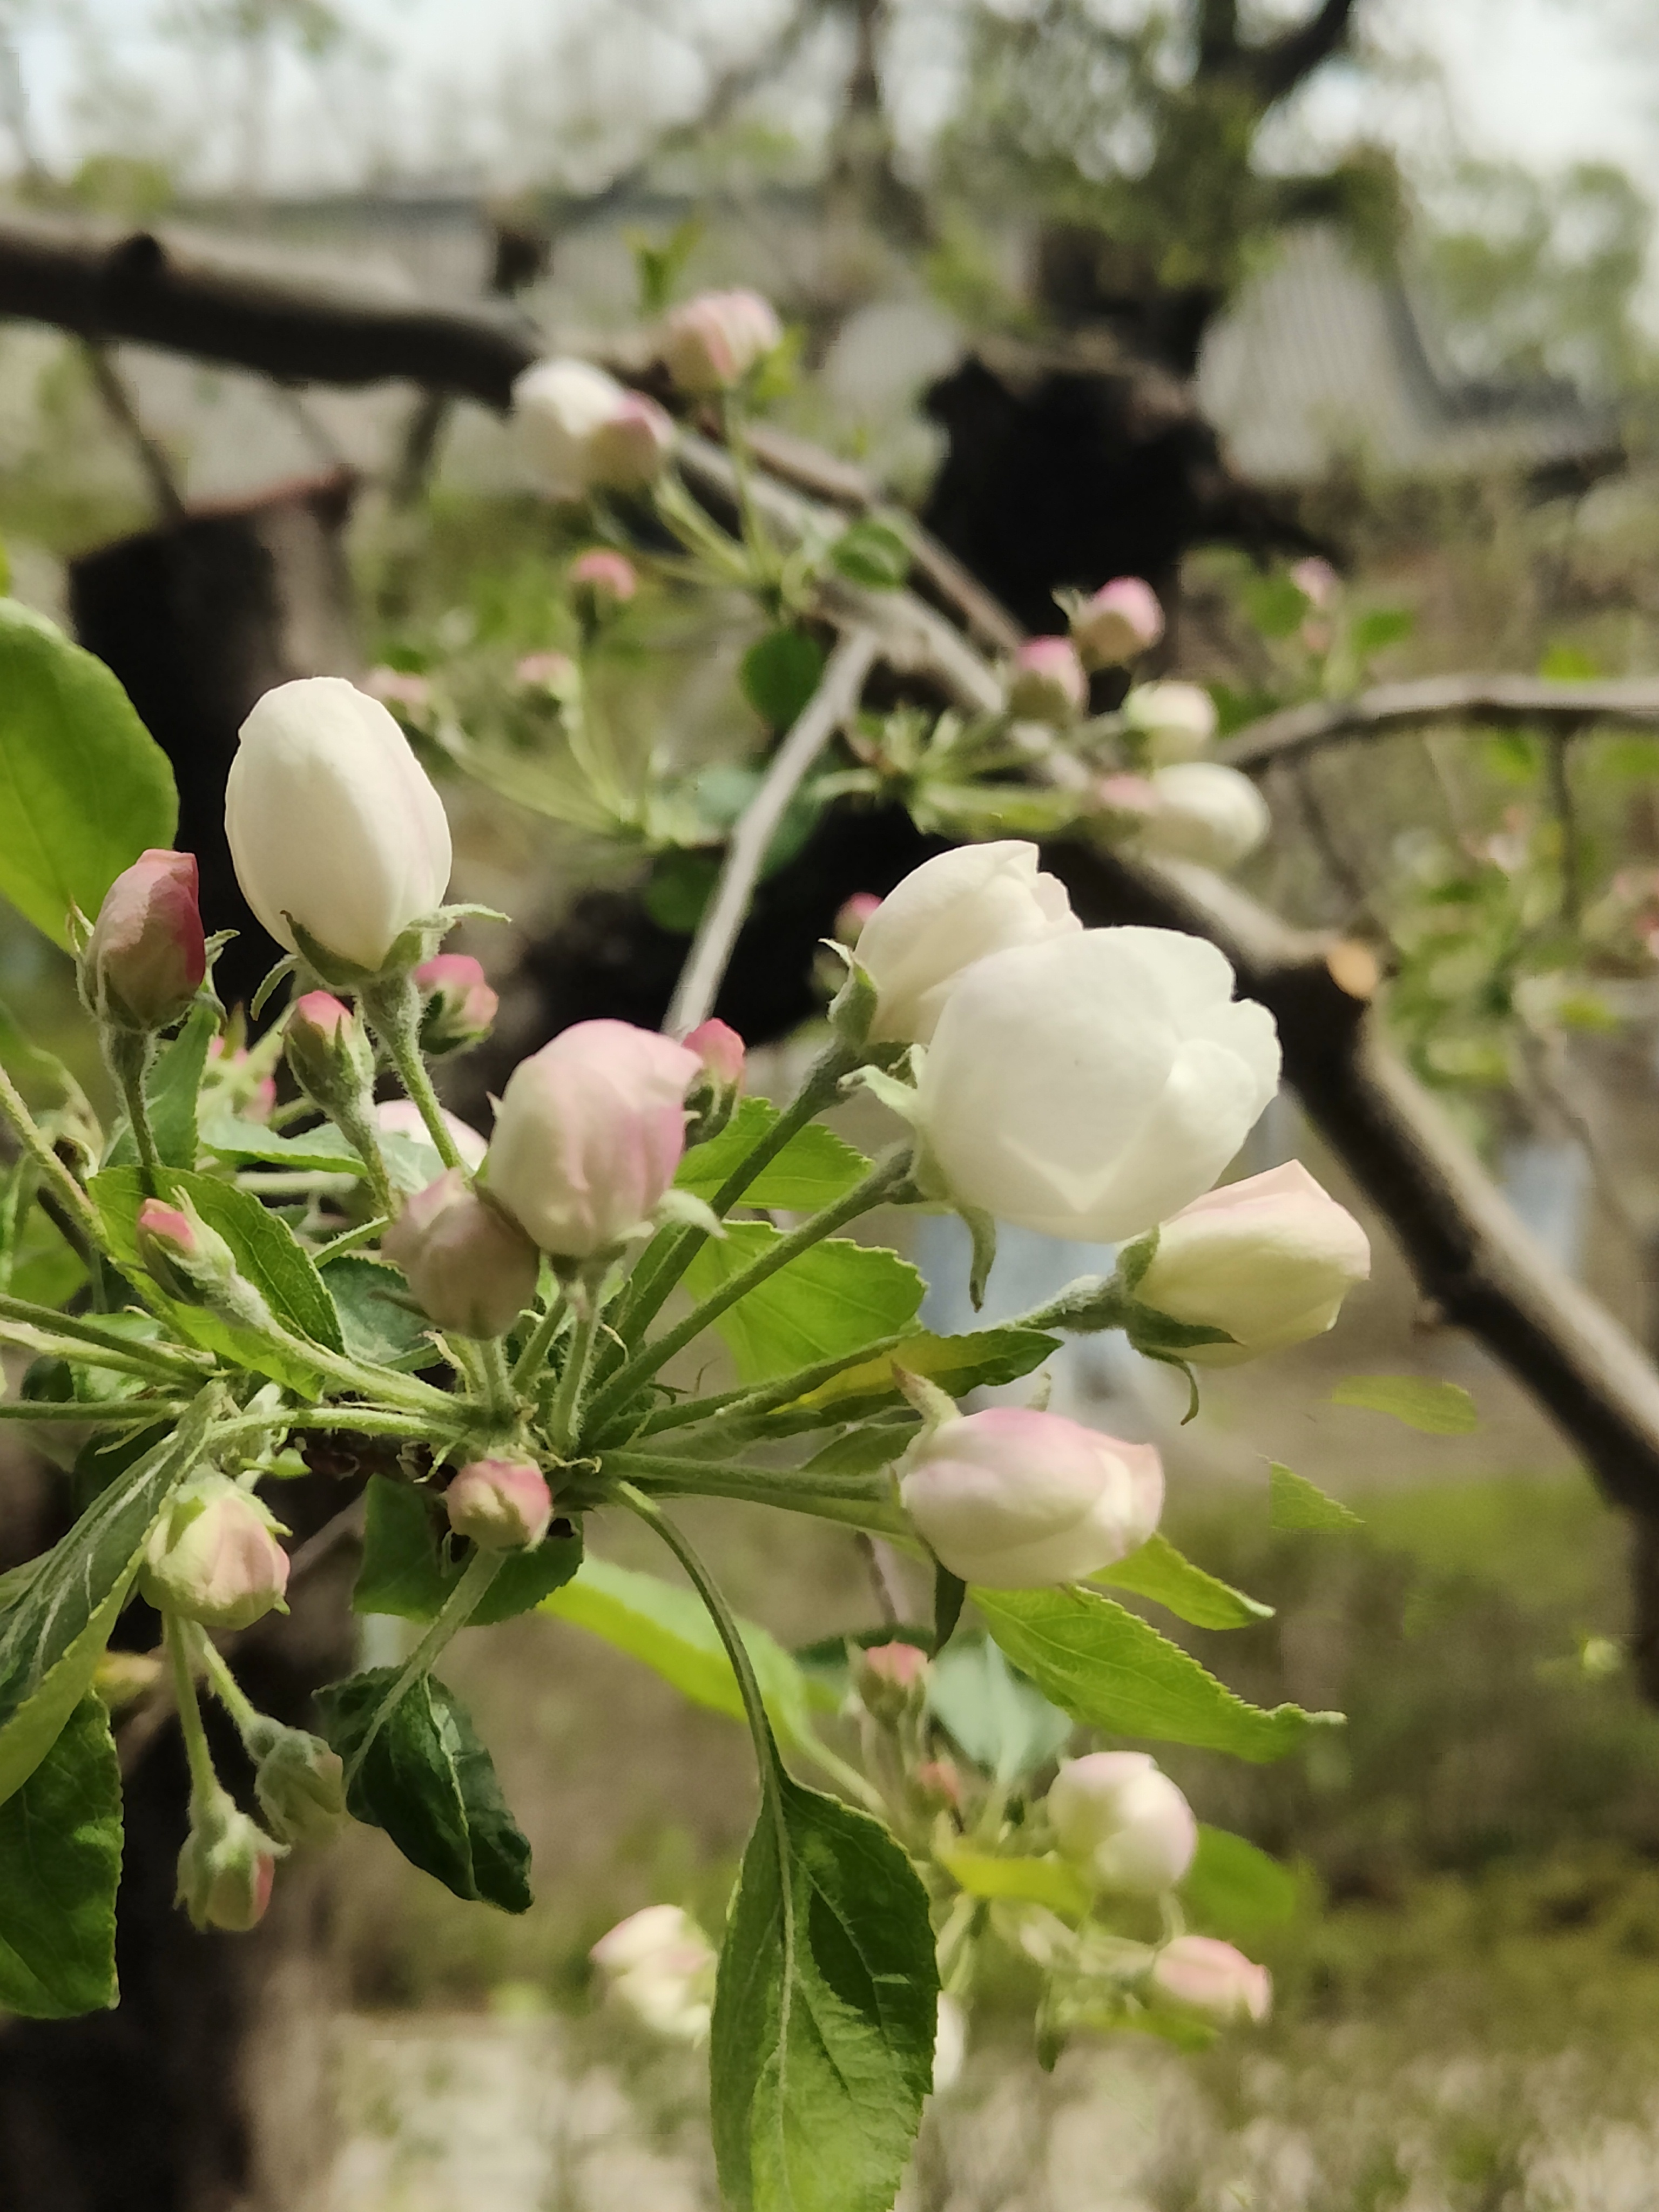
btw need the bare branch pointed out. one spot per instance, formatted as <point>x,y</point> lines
<point>1499,702</point>
<point>1275,70</point>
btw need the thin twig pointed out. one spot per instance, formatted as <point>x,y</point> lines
<point>706,964</point>
<point>117,400</point>
<point>1494,701</point>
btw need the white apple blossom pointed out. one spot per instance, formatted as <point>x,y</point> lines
<point>1175,721</point>
<point>1204,811</point>
<point>659,1965</point>
<point>1125,1825</point>
<point>584,432</point>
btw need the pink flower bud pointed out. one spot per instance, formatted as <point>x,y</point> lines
<point>546,672</point>
<point>396,688</point>
<point>711,343</point>
<point>852,915</point>
<point>586,433</point>
<point>1123,1823</point>
<point>1318,582</point>
<point>187,1259</point>
<point>472,1270</point>
<point>1211,1976</point>
<point>900,1666</point>
<point>402,1117</point>
<point>590,1133</point>
<point>146,958</point>
<point>501,1504</point>
<point>940,1784</point>
<point>1270,1259</point>
<point>608,579</point>
<point>213,1556</point>
<point>460,1007</point>
<point>1048,684</point>
<point>1130,796</point>
<point>1018,1500</point>
<point>169,1226</point>
<point>226,1867</point>
<point>1122,619</point>
<point>329,1053</point>
<point>720,1050</point>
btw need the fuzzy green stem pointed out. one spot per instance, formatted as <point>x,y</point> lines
<point>887,1173</point>
<point>530,1361</point>
<point>129,1057</point>
<point>863,1501</point>
<point>564,1421</point>
<point>732,1408</point>
<point>132,1413</point>
<point>498,1383</point>
<point>393,1007</point>
<point>457,1609</point>
<point>170,1357</point>
<point>57,1177</point>
<point>204,1783</point>
<point>361,1133</point>
<point>225,1686</point>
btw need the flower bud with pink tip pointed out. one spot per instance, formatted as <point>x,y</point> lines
<point>472,1269</point>
<point>851,917</point>
<point>214,1557</point>
<point>1016,1499</point>
<point>499,1504</point>
<point>600,580</point>
<point>1210,1977</point>
<point>1269,1260</point>
<point>300,1783</point>
<point>711,343</point>
<point>591,1131</point>
<point>227,1866</point>
<point>1047,683</point>
<point>1121,1823</point>
<point>146,958</point>
<point>329,1056</point>
<point>1173,721</point>
<point>584,432</point>
<point>1318,582</point>
<point>457,1005</point>
<point>891,1679</point>
<point>182,1255</point>
<point>1121,619</point>
<point>714,1092</point>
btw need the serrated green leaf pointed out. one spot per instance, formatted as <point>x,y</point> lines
<point>1295,1504</point>
<point>779,674</point>
<point>997,1718</point>
<point>835,1296</point>
<point>670,1631</point>
<point>175,1085</point>
<point>376,1323</point>
<point>411,1161</point>
<point>1110,1669</point>
<point>1158,1571</point>
<point>84,788</point>
<point>430,1783</point>
<point>1047,1881</point>
<point>410,1565</point>
<point>822,2046</point>
<point>1437,1409</point>
<point>814,1168</point>
<point>1232,1889</point>
<point>54,1630</point>
<point>60,1861</point>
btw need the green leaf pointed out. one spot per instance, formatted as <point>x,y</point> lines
<point>835,1296</point>
<point>52,1633</point>
<point>872,553</point>
<point>1274,604</point>
<point>410,1564</point>
<point>669,1629</point>
<point>84,788</point>
<point>410,1161</point>
<point>376,1323</point>
<point>60,1860</point>
<point>779,674</point>
<point>814,1168</point>
<point>1381,627</point>
<point>1047,1881</point>
<point>175,1085</point>
<point>1438,1409</point>
<point>1294,1503</point>
<point>430,1783</point>
<point>1158,1571</point>
<point>821,2048</point>
<point>979,1360</point>
<point>1233,1889</point>
<point>266,1252</point>
<point>995,1716</point>
<point>1110,1669</point>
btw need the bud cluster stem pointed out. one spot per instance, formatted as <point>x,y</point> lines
<point>128,1054</point>
<point>530,1361</point>
<point>32,1139</point>
<point>573,1378</point>
<point>204,1784</point>
<point>393,1008</point>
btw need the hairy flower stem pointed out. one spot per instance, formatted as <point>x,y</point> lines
<point>224,1685</point>
<point>167,1359</point>
<point>57,1177</point>
<point>498,1383</point>
<point>884,1176</point>
<point>457,1609</point>
<point>393,1008</point>
<point>530,1361</point>
<point>128,1057</point>
<point>566,1415</point>
<point>204,1783</point>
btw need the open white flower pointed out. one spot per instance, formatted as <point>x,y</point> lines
<point>1088,1086</point>
<point>951,911</point>
<point>333,823</point>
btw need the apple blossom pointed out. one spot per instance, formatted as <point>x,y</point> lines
<point>710,343</point>
<point>402,1117</point>
<point>660,1967</point>
<point>329,1053</point>
<point>1269,1260</point>
<point>585,432</point>
<point>589,1135</point>
<point>946,915</point>
<point>214,1557</point>
<point>1211,1976</point>
<point>1174,721</point>
<point>334,828</point>
<point>1087,1086</point>
<point>1016,1499</point>
<point>1204,811</point>
<point>1123,1823</point>
<point>501,1504</point>
<point>472,1270</point>
<point>720,1050</point>
<point>300,1783</point>
<point>1317,581</point>
<point>227,1866</point>
<point>458,1004</point>
<point>1121,619</point>
<point>603,578</point>
<point>1047,683</point>
<point>146,957</point>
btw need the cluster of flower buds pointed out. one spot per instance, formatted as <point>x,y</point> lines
<point>214,1557</point>
<point>660,1966</point>
<point>499,1504</point>
<point>227,1866</point>
<point>146,957</point>
<point>713,342</point>
<point>584,432</point>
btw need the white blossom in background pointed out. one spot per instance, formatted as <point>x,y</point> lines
<point>1175,721</point>
<point>709,343</point>
<point>1205,812</point>
<point>658,1966</point>
<point>1213,1977</point>
<point>584,432</point>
